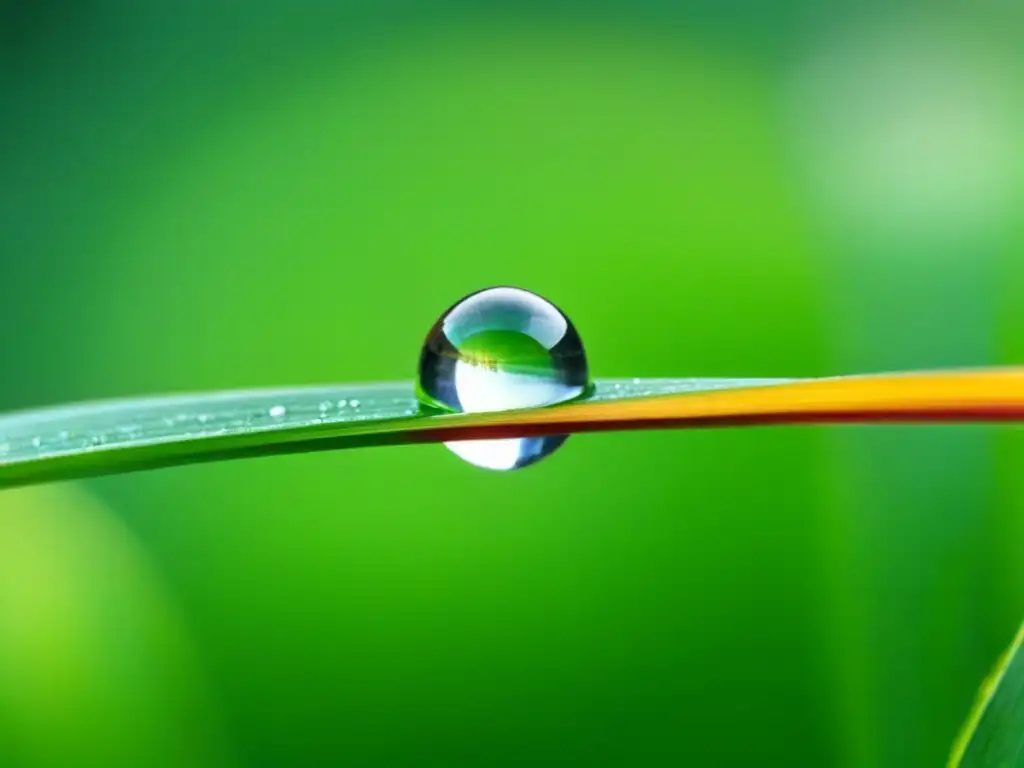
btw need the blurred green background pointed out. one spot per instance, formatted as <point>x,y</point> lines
<point>198,195</point>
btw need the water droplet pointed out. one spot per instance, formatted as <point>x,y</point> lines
<point>501,349</point>
<point>203,418</point>
<point>325,406</point>
<point>127,432</point>
<point>353,403</point>
<point>278,411</point>
<point>342,403</point>
<point>37,442</point>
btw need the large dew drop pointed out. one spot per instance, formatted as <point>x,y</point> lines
<point>501,349</point>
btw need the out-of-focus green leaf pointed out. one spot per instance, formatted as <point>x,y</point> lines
<point>993,736</point>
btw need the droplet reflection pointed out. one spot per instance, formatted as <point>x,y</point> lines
<point>501,349</point>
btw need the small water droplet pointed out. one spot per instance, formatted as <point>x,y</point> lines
<point>500,349</point>
<point>325,406</point>
<point>63,435</point>
<point>37,442</point>
<point>203,418</point>
<point>278,411</point>
<point>353,403</point>
<point>342,403</point>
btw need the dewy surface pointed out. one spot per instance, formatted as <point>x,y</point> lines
<point>71,440</point>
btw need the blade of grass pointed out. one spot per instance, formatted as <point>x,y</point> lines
<point>124,435</point>
<point>993,736</point>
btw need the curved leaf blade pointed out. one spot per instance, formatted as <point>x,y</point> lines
<point>993,736</point>
<point>103,437</point>
<point>124,435</point>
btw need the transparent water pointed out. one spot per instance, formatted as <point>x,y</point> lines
<point>501,349</point>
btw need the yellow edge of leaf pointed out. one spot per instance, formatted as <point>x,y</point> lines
<point>885,394</point>
<point>985,693</point>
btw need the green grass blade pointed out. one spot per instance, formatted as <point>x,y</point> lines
<point>124,435</point>
<point>114,436</point>
<point>993,736</point>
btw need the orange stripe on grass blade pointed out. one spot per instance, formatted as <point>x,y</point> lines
<point>937,397</point>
